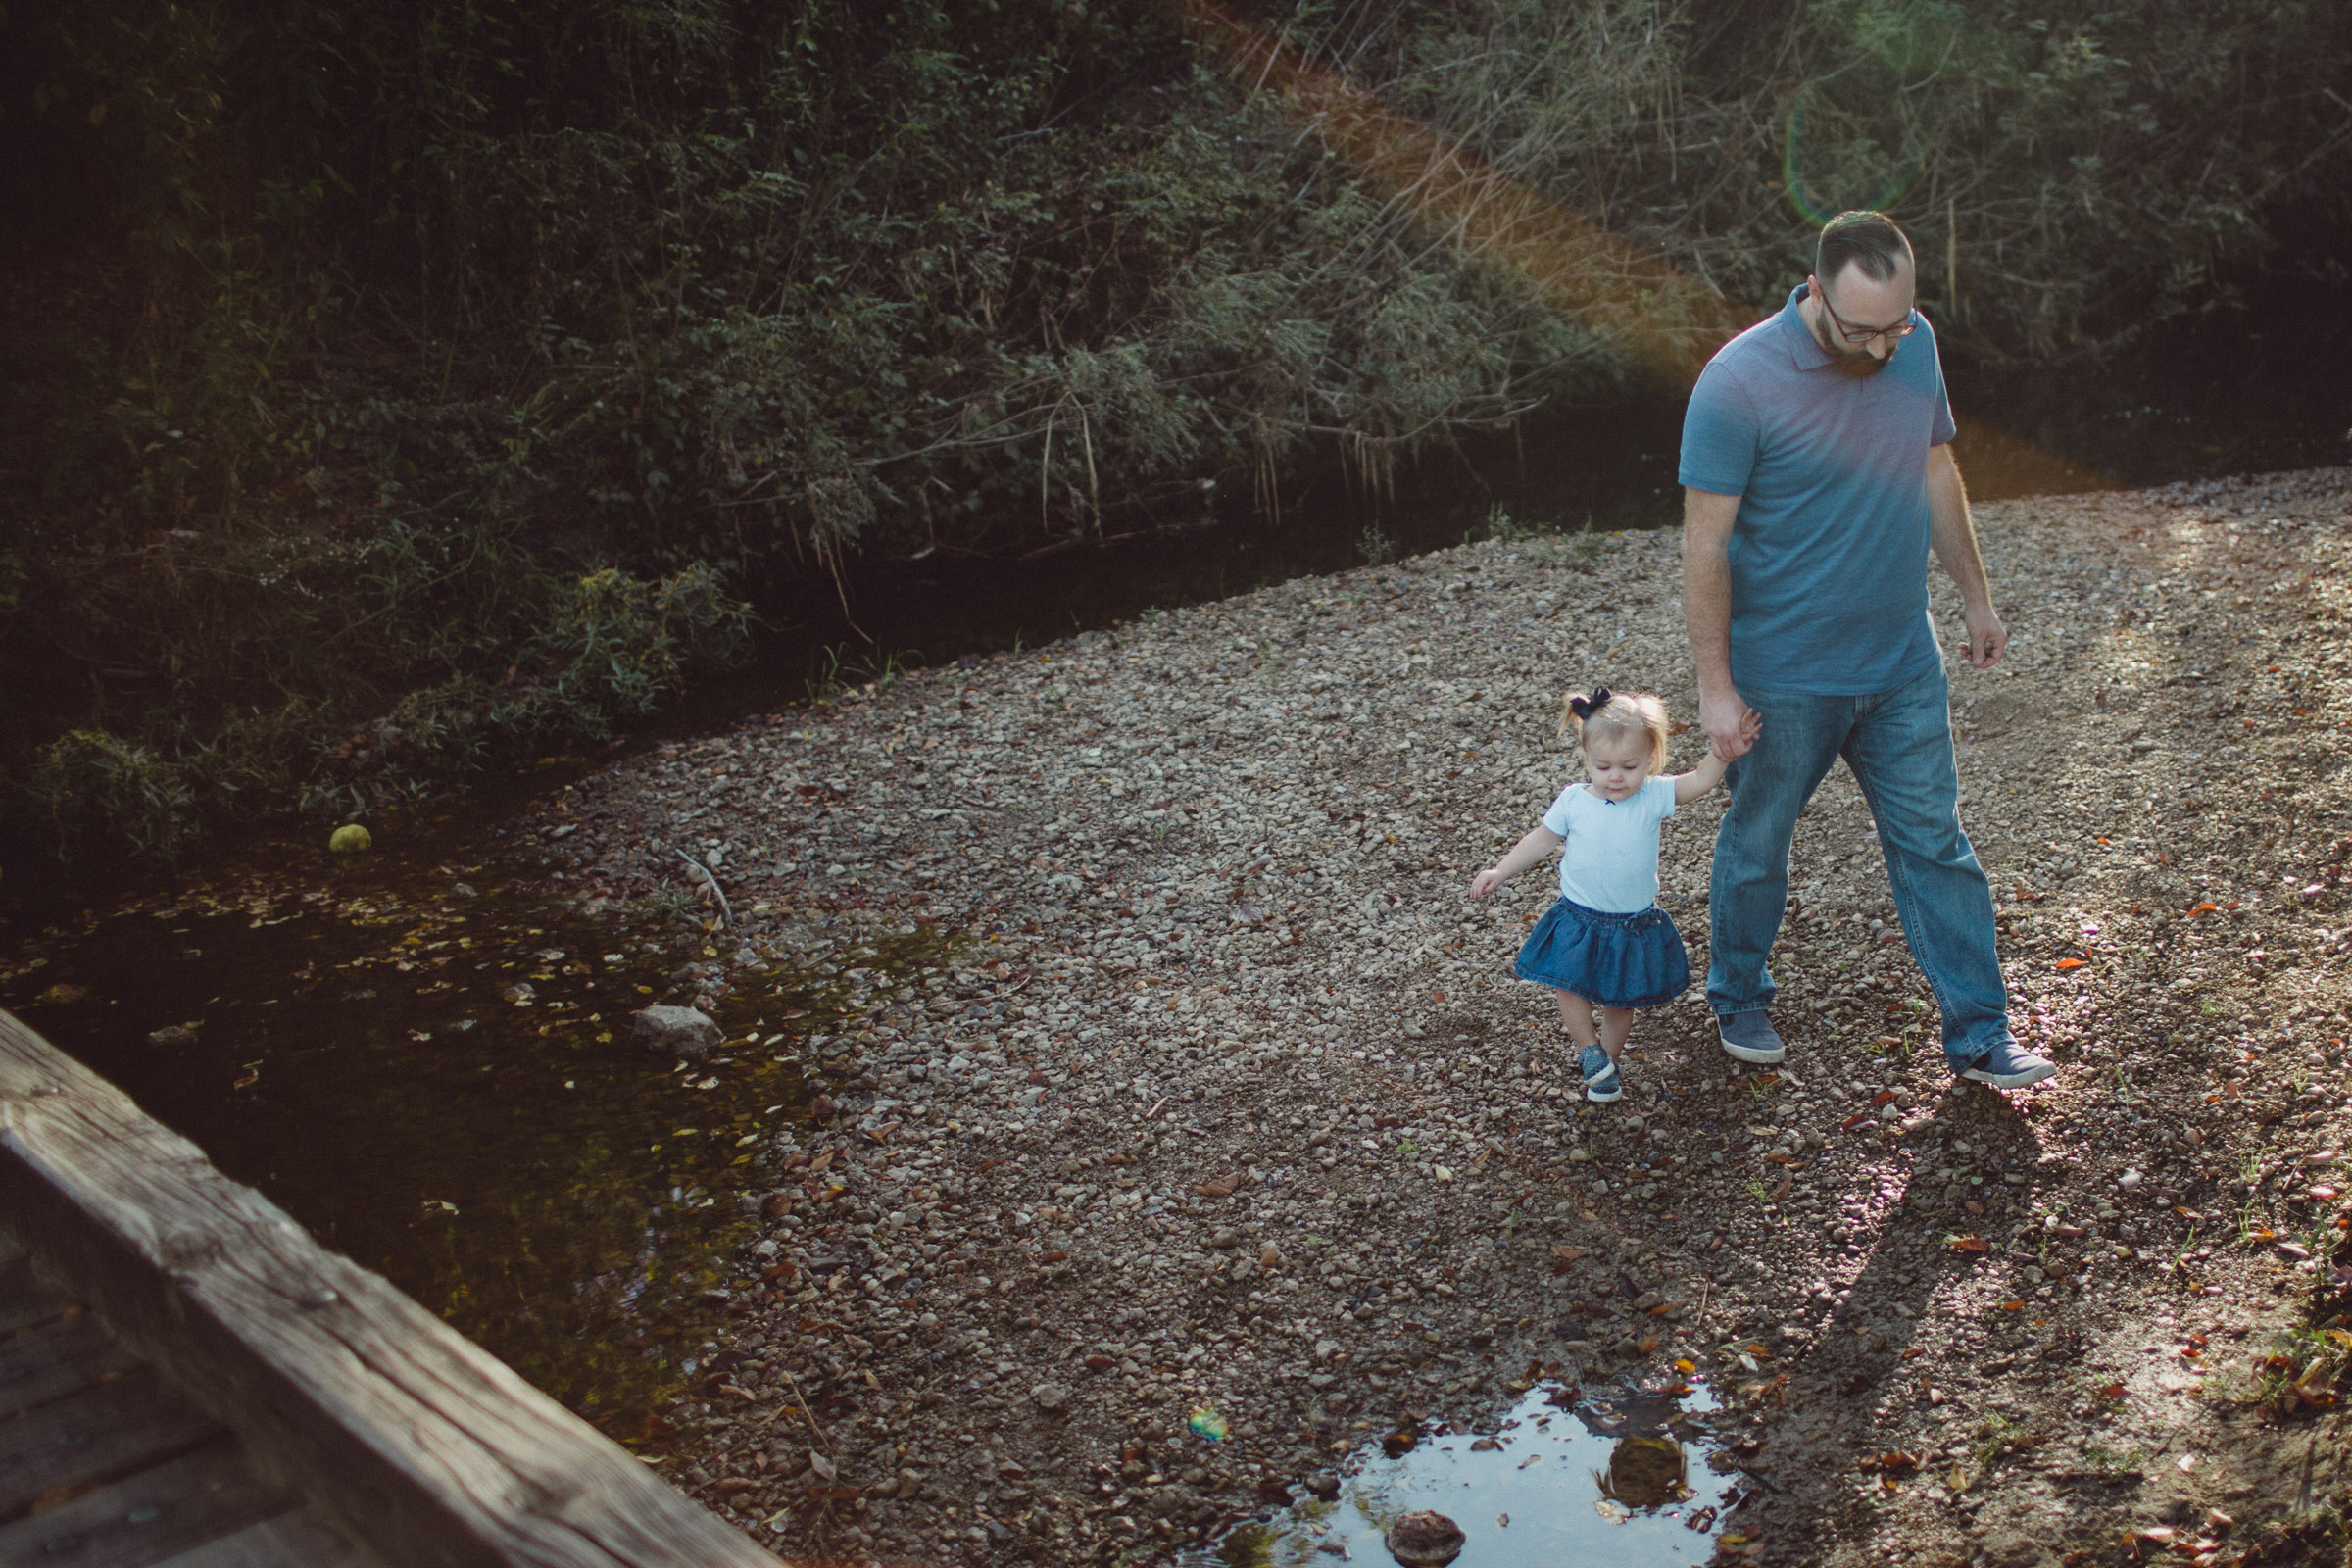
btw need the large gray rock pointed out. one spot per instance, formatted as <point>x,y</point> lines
<point>680,1031</point>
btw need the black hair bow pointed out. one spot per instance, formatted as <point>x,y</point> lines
<point>1586,707</point>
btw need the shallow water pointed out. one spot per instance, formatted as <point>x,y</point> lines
<point>1628,1474</point>
<point>443,1087</point>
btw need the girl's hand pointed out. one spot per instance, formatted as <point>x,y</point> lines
<point>1752,725</point>
<point>1485,881</point>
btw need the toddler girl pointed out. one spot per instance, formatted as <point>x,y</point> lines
<point>1606,946</point>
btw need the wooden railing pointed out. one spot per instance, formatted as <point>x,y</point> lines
<point>420,1445</point>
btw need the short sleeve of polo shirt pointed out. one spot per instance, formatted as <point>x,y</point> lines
<point>1720,433</point>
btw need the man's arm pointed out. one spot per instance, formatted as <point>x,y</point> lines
<point>1953,536</point>
<point>1707,520</point>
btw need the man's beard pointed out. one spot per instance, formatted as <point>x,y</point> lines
<point>1861,367</point>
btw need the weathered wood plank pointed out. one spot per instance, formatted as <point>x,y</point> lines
<point>55,1361</point>
<point>290,1541</point>
<point>26,1299</point>
<point>104,1434</point>
<point>424,1447</point>
<point>148,1518</point>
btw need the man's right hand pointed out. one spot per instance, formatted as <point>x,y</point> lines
<point>1730,725</point>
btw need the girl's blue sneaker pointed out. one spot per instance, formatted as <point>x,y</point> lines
<point>1601,1083</point>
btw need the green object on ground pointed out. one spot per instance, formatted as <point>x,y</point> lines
<point>1208,1423</point>
<point>350,839</point>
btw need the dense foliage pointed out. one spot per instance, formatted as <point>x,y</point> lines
<point>392,384</point>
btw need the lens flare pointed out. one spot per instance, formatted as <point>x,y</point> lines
<point>1668,322</point>
<point>1799,189</point>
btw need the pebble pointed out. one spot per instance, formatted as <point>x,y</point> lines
<point>678,1031</point>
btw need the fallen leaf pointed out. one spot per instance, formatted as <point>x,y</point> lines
<point>1562,1253</point>
<point>1649,1342</point>
<point>1781,1191</point>
<point>1219,1186</point>
<point>2069,963</point>
<point>1859,1118</point>
<point>1970,1244</point>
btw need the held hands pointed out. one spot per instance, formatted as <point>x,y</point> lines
<point>1730,725</point>
<point>1752,725</point>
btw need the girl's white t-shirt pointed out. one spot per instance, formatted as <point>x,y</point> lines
<point>1610,860</point>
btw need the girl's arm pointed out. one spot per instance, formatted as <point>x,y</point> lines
<point>1532,850</point>
<point>1689,787</point>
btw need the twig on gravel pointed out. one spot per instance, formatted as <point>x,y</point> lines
<point>726,916</point>
<point>798,1399</point>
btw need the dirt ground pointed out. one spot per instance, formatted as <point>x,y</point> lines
<point>1206,1087</point>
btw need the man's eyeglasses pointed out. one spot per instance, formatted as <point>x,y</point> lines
<point>1863,334</point>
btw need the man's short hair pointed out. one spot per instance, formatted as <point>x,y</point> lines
<point>1868,240</point>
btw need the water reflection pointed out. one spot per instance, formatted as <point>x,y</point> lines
<point>1629,1473</point>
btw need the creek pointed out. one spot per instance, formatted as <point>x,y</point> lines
<point>423,1053</point>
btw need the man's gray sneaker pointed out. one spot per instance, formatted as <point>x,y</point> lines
<point>1749,1037</point>
<point>2006,1066</point>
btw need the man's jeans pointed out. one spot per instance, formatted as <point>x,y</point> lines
<point>1899,746</point>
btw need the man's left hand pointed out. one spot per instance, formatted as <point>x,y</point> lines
<point>1987,638</point>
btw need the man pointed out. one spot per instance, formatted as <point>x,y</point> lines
<point>1817,472</point>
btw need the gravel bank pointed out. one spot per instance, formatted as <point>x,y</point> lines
<point>1208,1085</point>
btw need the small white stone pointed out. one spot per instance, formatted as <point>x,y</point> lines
<point>2128,1181</point>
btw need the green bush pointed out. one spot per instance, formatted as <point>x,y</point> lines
<point>89,787</point>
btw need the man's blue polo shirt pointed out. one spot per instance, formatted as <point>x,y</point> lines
<point>1828,555</point>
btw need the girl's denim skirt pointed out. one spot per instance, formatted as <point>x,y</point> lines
<point>1611,960</point>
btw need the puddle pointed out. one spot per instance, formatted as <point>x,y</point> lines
<point>1629,1473</point>
<point>444,1088</point>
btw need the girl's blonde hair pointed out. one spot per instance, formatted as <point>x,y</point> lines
<point>1617,714</point>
